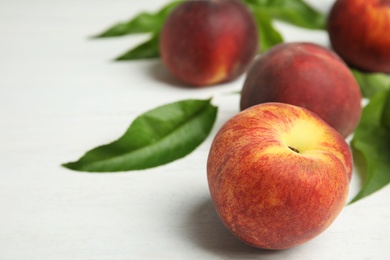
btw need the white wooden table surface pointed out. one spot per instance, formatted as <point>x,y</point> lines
<point>60,95</point>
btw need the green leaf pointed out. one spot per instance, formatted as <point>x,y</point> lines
<point>156,137</point>
<point>142,23</point>
<point>371,83</point>
<point>386,113</point>
<point>296,12</point>
<point>268,35</point>
<point>147,50</point>
<point>371,139</point>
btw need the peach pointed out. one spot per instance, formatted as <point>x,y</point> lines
<point>278,175</point>
<point>359,31</point>
<point>309,76</point>
<point>208,42</point>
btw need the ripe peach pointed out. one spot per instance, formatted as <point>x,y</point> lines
<point>278,175</point>
<point>359,31</point>
<point>309,76</point>
<point>208,42</point>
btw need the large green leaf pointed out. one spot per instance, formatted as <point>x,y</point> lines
<point>371,83</point>
<point>156,137</point>
<point>142,23</point>
<point>372,141</point>
<point>296,12</point>
<point>146,50</point>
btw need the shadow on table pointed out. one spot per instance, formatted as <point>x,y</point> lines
<point>206,231</point>
<point>159,72</point>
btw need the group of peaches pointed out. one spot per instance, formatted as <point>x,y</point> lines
<point>279,171</point>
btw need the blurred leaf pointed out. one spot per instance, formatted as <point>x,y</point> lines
<point>142,23</point>
<point>372,141</point>
<point>268,35</point>
<point>296,12</point>
<point>386,113</point>
<point>147,50</point>
<point>157,137</point>
<point>371,83</point>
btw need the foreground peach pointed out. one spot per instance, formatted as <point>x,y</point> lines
<point>359,31</point>
<point>208,42</point>
<point>278,175</point>
<point>306,75</point>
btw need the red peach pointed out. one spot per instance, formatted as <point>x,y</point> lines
<point>309,76</point>
<point>359,31</point>
<point>208,42</point>
<point>278,175</point>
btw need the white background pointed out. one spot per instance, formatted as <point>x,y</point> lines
<point>61,95</point>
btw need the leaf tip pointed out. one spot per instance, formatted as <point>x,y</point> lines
<point>94,37</point>
<point>69,165</point>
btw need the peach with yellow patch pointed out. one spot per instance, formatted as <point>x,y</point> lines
<point>278,175</point>
<point>208,42</point>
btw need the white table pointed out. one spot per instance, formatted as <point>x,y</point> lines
<point>60,95</point>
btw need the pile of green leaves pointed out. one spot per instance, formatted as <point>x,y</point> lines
<point>172,131</point>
